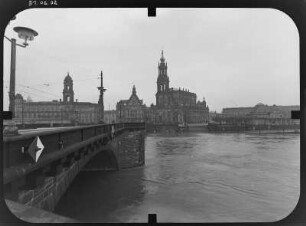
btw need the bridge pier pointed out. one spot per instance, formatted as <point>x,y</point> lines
<point>130,149</point>
<point>124,151</point>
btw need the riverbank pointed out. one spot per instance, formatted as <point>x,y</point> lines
<point>219,128</point>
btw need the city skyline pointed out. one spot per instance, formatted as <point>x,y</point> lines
<point>226,71</point>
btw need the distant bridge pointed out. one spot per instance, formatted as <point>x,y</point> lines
<point>38,167</point>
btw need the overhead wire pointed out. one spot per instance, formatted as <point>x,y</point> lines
<point>42,91</point>
<point>47,84</point>
<point>22,91</point>
<point>51,83</point>
<point>58,59</point>
<point>50,94</point>
<point>31,87</point>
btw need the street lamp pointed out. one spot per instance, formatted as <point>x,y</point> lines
<point>28,35</point>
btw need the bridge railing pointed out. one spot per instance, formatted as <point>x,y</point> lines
<point>15,147</point>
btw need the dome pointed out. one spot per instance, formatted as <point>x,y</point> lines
<point>259,104</point>
<point>18,96</point>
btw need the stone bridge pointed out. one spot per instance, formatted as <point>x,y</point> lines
<point>39,167</point>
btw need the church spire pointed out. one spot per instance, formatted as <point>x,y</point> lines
<point>134,90</point>
<point>162,59</point>
<point>163,79</point>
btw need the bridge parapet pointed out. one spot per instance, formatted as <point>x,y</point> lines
<point>65,152</point>
<point>15,147</point>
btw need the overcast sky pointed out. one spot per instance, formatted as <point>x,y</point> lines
<point>232,57</point>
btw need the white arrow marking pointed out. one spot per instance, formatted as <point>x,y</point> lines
<point>40,148</point>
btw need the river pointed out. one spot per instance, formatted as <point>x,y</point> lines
<point>195,177</point>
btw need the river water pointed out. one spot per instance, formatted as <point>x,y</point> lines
<point>195,177</point>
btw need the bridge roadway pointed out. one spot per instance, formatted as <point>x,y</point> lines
<point>65,152</point>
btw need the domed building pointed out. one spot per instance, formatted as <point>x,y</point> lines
<point>66,111</point>
<point>260,115</point>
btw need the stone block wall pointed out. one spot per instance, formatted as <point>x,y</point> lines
<point>47,195</point>
<point>130,149</point>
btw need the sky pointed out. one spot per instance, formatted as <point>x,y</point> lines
<point>232,57</point>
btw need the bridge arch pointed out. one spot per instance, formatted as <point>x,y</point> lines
<point>105,160</point>
<point>67,151</point>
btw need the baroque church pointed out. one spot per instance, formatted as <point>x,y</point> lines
<point>62,112</point>
<point>175,105</point>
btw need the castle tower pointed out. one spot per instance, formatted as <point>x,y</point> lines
<point>163,79</point>
<point>68,94</point>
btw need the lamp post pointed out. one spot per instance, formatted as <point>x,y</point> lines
<point>28,35</point>
<point>101,101</point>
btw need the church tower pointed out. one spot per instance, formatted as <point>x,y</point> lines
<point>68,94</point>
<point>162,95</point>
<point>163,79</point>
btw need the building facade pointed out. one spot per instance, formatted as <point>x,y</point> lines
<point>110,116</point>
<point>64,111</point>
<point>131,110</point>
<point>260,114</point>
<point>175,106</point>
<point>236,112</point>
